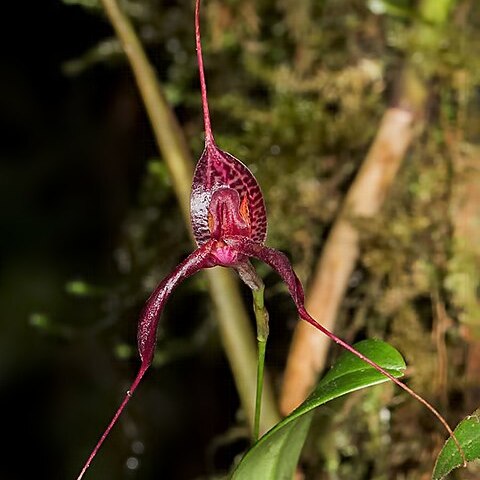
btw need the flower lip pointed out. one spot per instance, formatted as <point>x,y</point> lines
<point>226,255</point>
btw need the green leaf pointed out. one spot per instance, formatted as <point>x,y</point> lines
<point>275,455</point>
<point>468,435</point>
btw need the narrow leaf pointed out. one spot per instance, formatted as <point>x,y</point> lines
<point>468,434</point>
<point>275,455</point>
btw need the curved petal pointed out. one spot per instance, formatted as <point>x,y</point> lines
<point>276,260</point>
<point>148,323</point>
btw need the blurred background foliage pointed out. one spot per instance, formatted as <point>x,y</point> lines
<point>90,225</point>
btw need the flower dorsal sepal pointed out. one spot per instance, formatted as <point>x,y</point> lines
<point>226,199</point>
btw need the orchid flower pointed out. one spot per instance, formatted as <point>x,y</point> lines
<point>229,223</point>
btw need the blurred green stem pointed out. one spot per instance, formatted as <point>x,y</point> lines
<point>235,330</point>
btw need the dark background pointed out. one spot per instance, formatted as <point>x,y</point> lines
<point>72,156</point>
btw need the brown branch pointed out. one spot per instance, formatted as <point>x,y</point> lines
<point>395,133</point>
<point>236,332</point>
<point>464,264</point>
<point>309,347</point>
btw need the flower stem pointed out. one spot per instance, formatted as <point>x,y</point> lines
<point>261,316</point>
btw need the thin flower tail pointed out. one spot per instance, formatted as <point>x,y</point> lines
<point>280,263</point>
<point>209,140</point>
<point>147,329</point>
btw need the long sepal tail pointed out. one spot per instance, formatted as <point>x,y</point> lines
<point>147,330</point>
<point>280,263</point>
<point>122,406</point>
<point>209,140</point>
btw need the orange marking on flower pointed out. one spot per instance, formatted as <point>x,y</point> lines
<point>244,210</point>
<point>211,222</point>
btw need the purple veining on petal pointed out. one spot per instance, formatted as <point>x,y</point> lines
<point>215,170</point>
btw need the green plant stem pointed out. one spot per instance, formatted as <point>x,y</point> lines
<point>236,333</point>
<point>261,316</point>
<point>262,345</point>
